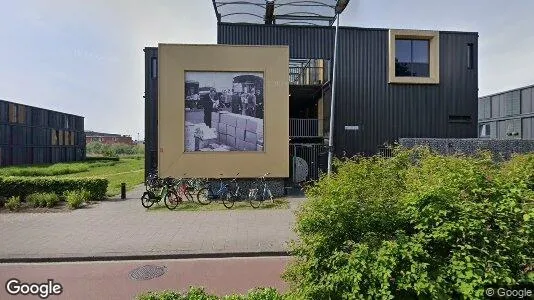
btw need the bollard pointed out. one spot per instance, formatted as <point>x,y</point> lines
<point>123,190</point>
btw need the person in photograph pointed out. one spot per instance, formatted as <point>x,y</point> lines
<point>251,105</point>
<point>208,102</point>
<point>259,104</point>
<point>237,105</point>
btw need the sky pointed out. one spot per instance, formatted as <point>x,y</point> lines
<point>86,57</point>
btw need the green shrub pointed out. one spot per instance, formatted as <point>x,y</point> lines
<point>42,199</point>
<point>114,150</point>
<point>75,199</point>
<point>21,186</point>
<point>519,170</point>
<point>86,195</point>
<point>36,200</point>
<point>13,203</point>
<point>417,225</point>
<point>196,293</point>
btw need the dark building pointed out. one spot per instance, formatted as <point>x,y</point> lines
<point>32,135</point>
<point>390,83</point>
<point>507,115</point>
<point>108,138</point>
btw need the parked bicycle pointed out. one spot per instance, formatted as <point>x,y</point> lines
<point>167,193</point>
<point>185,187</point>
<point>152,181</point>
<point>234,194</point>
<point>207,194</point>
<point>260,192</point>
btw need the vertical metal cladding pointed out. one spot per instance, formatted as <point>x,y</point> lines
<point>509,114</point>
<point>151,110</point>
<point>384,112</point>
<point>3,112</point>
<point>26,135</point>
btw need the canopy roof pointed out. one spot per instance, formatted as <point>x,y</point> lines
<point>289,12</point>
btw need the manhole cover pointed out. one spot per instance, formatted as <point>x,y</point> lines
<point>147,272</point>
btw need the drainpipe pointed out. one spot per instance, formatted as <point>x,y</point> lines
<point>332,103</point>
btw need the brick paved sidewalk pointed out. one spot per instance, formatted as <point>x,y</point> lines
<point>124,228</point>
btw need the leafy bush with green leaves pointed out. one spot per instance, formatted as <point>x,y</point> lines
<point>22,186</point>
<point>13,203</point>
<point>416,225</point>
<point>114,150</point>
<point>196,293</point>
<point>42,199</point>
<point>75,199</point>
<point>519,169</point>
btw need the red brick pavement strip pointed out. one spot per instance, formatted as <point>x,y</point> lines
<point>114,229</point>
<point>110,280</point>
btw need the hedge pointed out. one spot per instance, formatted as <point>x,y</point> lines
<point>23,186</point>
<point>198,293</point>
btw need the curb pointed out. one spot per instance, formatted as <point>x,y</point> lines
<point>140,257</point>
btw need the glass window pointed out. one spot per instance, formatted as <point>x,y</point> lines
<point>484,130</point>
<point>154,67</point>
<point>412,58</point>
<point>470,56</point>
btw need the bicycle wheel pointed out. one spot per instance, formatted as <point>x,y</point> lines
<point>228,200</point>
<point>270,195</point>
<point>146,201</point>
<point>203,196</point>
<point>172,199</point>
<point>255,198</point>
<point>188,193</point>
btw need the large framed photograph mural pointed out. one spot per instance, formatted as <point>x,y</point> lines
<point>224,111</point>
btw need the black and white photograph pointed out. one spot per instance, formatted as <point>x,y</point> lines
<point>224,111</point>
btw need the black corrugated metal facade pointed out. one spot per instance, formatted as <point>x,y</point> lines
<point>32,135</point>
<point>151,109</point>
<point>384,112</point>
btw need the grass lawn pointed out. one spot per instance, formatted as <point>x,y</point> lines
<point>53,170</point>
<point>129,170</point>
<point>280,203</point>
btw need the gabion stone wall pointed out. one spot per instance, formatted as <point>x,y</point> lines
<point>275,185</point>
<point>500,148</point>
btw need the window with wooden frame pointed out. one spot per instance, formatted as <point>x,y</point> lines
<point>54,137</point>
<point>12,113</point>
<point>413,56</point>
<point>21,114</point>
<point>60,134</point>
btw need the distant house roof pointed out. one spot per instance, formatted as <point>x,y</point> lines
<point>102,134</point>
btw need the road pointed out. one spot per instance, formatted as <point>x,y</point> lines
<point>111,280</point>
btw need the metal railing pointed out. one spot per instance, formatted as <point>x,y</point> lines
<point>309,71</point>
<point>303,127</point>
<point>385,152</point>
<point>315,156</point>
